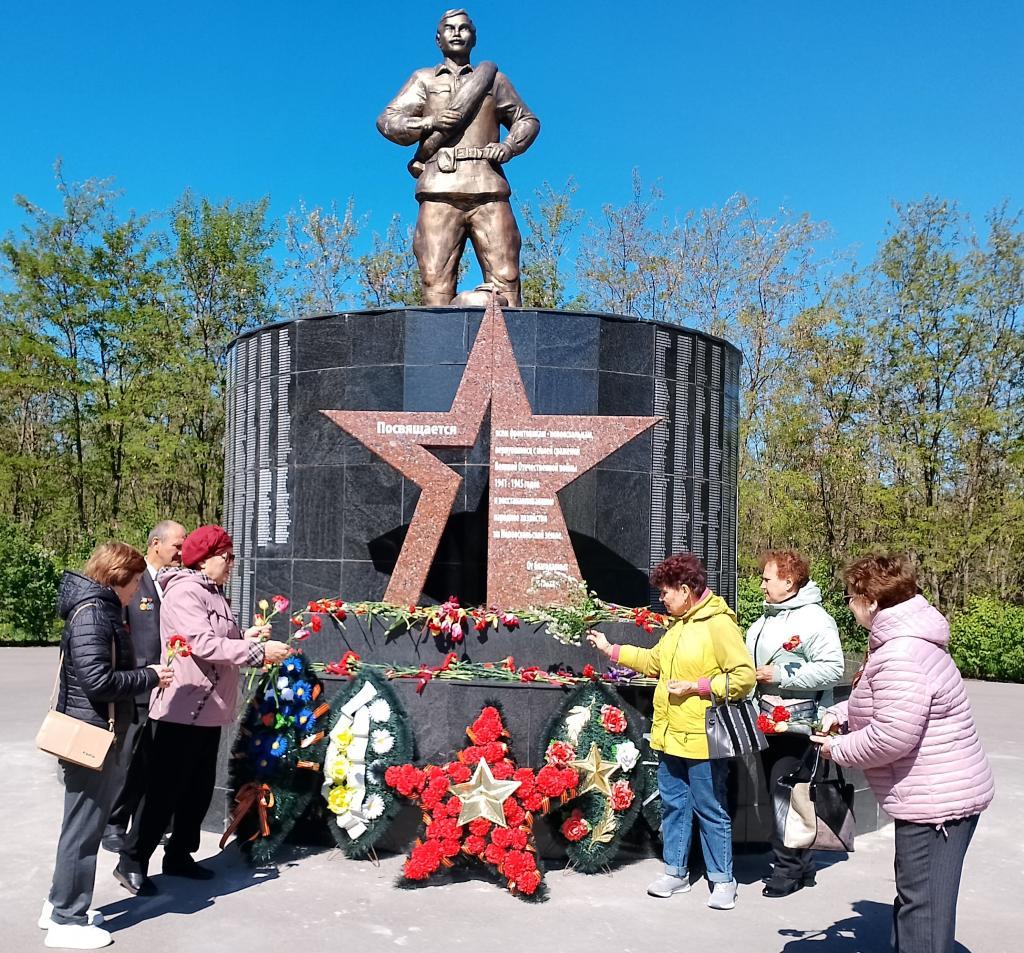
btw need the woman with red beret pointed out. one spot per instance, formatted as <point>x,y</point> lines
<point>188,716</point>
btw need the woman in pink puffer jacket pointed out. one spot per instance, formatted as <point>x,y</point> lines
<point>909,728</point>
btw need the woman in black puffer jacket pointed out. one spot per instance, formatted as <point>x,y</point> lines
<point>98,677</point>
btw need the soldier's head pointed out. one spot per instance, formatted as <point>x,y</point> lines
<point>456,35</point>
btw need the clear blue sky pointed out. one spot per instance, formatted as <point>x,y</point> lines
<point>832,108</point>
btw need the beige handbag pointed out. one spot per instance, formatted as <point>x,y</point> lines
<point>71,739</point>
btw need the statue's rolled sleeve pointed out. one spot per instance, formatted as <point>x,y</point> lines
<point>523,126</point>
<point>410,102</point>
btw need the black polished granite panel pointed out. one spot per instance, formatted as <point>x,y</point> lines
<point>300,489</point>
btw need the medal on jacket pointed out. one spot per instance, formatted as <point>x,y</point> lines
<point>145,604</point>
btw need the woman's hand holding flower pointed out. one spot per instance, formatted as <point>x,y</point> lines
<point>257,633</point>
<point>165,674</point>
<point>275,652</point>
<point>599,642</point>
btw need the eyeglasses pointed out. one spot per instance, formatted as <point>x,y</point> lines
<point>849,597</point>
<point>227,557</point>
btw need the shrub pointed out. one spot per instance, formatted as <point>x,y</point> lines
<point>28,590</point>
<point>987,640</point>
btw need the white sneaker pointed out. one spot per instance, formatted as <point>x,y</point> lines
<point>666,885</point>
<point>74,936</point>
<point>45,921</point>
<point>723,896</point>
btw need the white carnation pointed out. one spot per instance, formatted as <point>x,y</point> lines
<point>373,807</point>
<point>381,740</point>
<point>379,709</point>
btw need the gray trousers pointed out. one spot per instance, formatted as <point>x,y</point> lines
<point>928,866</point>
<point>88,798</point>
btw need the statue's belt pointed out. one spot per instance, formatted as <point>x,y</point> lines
<point>448,158</point>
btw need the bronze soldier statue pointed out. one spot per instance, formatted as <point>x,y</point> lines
<point>455,111</point>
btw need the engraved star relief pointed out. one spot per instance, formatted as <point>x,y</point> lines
<point>595,773</point>
<point>483,796</point>
<point>532,458</point>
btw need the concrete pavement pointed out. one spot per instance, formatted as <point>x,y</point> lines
<point>320,902</point>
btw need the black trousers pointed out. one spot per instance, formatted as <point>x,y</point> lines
<point>790,864</point>
<point>183,769</point>
<point>140,743</point>
<point>88,795</point>
<point>929,862</point>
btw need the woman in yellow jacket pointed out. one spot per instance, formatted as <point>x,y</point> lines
<point>690,662</point>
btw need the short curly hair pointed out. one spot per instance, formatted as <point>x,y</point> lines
<point>683,569</point>
<point>789,564</point>
<point>887,579</point>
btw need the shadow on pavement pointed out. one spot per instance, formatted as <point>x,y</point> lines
<point>868,931</point>
<point>178,895</point>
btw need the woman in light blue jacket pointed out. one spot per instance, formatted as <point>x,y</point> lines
<point>797,654</point>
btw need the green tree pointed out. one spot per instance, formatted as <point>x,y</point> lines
<point>549,229</point>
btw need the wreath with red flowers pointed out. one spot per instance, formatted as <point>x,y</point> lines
<point>592,728</point>
<point>507,849</point>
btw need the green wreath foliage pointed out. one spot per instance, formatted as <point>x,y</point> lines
<point>279,744</point>
<point>651,806</point>
<point>368,830</point>
<point>578,722</point>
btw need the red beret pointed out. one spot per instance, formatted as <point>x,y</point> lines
<point>204,542</point>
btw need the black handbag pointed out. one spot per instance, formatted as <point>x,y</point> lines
<point>814,811</point>
<point>732,728</point>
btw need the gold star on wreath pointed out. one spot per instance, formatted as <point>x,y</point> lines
<point>595,772</point>
<point>483,796</point>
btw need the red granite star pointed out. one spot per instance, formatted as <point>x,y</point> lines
<point>443,792</point>
<point>532,458</point>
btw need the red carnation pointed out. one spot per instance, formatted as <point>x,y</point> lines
<point>474,845</point>
<point>550,782</point>
<point>613,719</point>
<point>450,847</point>
<point>501,837</point>
<point>502,770</point>
<point>575,828</point>
<point>780,713</point>
<point>560,753</point>
<point>514,814</point>
<point>494,751</point>
<point>494,854</point>
<point>534,801</point>
<point>316,622</point>
<point>480,827</point>
<point>528,882</point>
<point>622,795</point>
<point>458,772</point>
<point>472,754</point>
<point>589,672</point>
<point>766,724</point>
<point>793,642</point>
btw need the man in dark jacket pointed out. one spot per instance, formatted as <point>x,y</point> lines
<point>143,618</point>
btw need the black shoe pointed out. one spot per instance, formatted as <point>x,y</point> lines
<point>187,868</point>
<point>113,840</point>
<point>134,881</point>
<point>808,880</point>
<point>776,888</point>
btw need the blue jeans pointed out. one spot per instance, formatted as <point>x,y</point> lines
<point>687,786</point>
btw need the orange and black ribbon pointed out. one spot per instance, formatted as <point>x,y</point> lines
<point>249,796</point>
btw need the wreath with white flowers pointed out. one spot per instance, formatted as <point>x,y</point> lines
<point>592,734</point>
<point>369,732</point>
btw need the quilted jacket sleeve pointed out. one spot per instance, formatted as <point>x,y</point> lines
<point>901,700</point>
<point>90,637</point>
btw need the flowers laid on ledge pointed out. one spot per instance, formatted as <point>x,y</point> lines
<point>451,623</point>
